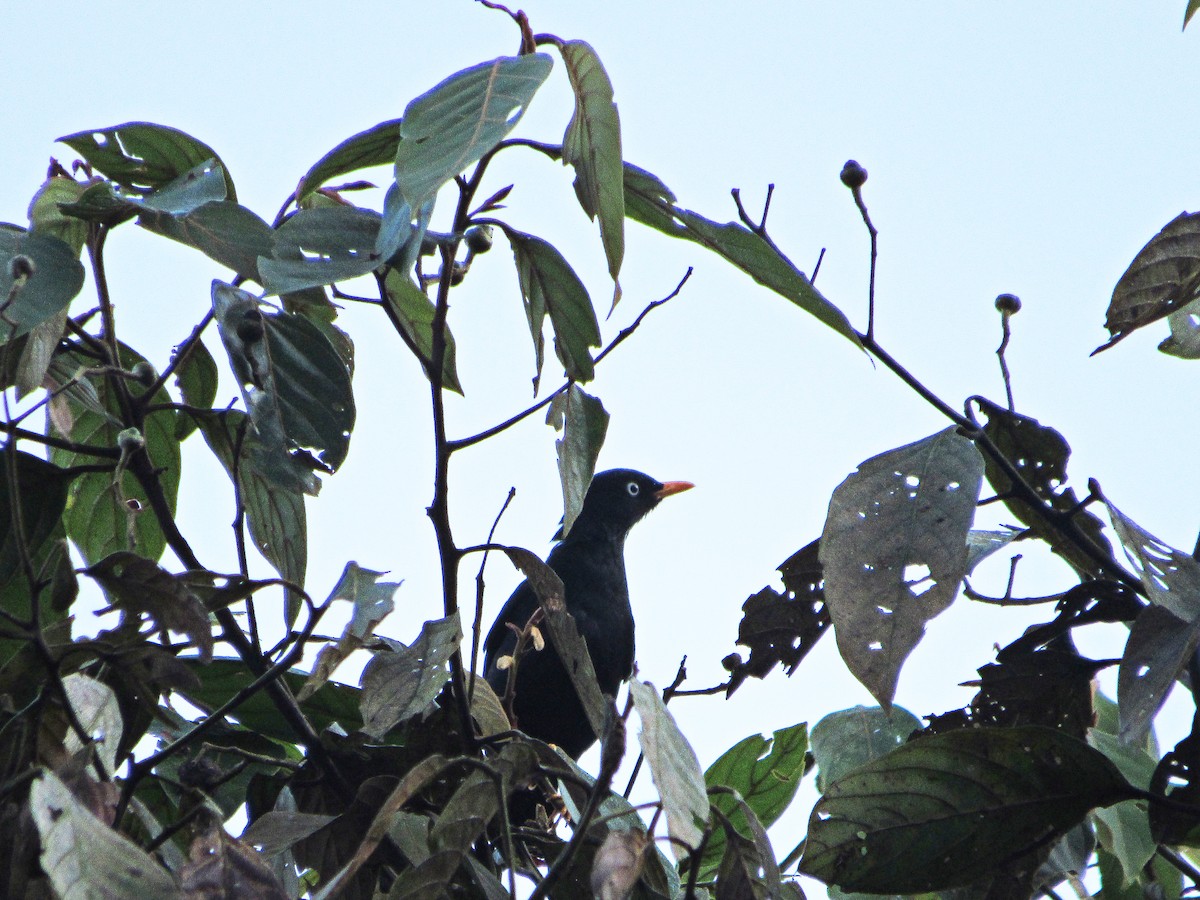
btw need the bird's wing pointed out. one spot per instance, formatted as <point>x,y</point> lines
<point>500,639</point>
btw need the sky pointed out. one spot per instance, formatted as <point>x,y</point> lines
<point>1011,148</point>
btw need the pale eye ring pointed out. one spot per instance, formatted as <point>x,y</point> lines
<point>633,488</point>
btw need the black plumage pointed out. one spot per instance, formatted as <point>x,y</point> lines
<point>591,564</point>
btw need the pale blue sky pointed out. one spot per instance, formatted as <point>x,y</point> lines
<point>1011,148</point>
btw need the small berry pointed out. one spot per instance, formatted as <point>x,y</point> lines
<point>853,175</point>
<point>479,238</point>
<point>1008,304</point>
<point>21,267</point>
<point>130,441</point>
<point>144,373</point>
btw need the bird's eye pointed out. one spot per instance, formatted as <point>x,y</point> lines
<point>633,488</point>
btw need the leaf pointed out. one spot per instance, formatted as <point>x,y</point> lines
<point>223,231</point>
<point>1171,578</point>
<point>274,514</point>
<point>1184,339</point>
<point>946,810</point>
<point>56,278</point>
<point>138,586</point>
<point>592,145</point>
<point>41,497</point>
<point>845,740</point>
<point>583,420</point>
<point>618,864</point>
<point>197,379</point>
<point>452,125</point>
<point>564,635</point>
<point>1192,6</point>
<point>782,628</point>
<point>372,600</point>
<point>894,551</point>
<point>107,513</point>
<point>550,285</point>
<point>295,383</point>
<point>1040,454</point>
<point>673,766</point>
<point>748,868</point>
<point>1158,652</point>
<point>142,156</point>
<point>203,183</point>
<point>1163,277</point>
<point>1124,828</point>
<point>765,773</point>
<point>374,147</point>
<point>45,216</point>
<point>219,864</point>
<point>83,857</point>
<point>321,246</point>
<point>649,201</point>
<point>96,710</point>
<point>414,313</point>
<point>399,685</point>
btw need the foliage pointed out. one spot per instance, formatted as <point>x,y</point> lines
<point>123,754</point>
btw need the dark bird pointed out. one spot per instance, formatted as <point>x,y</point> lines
<point>591,563</point>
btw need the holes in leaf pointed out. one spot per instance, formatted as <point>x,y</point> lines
<point>918,578</point>
<point>912,481</point>
<point>875,646</point>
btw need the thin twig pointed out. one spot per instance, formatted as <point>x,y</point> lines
<point>477,625</point>
<point>462,443</point>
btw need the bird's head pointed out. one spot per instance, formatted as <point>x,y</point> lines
<point>619,498</point>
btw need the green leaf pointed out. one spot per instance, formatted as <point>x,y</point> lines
<point>42,499</point>
<point>649,201</point>
<point>223,231</point>
<point>673,766</point>
<point>57,277</point>
<point>414,313</point>
<point>948,809</point>
<point>550,285</point>
<point>592,145</point>
<point>45,216</point>
<point>140,155</point>
<point>374,147</point>
<point>1160,648</point>
<point>583,420</point>
<point>842,741</point>
<point>1123,829</point>
<point>1192,6</point>
<point>201,184</point>
<point>398,685</point>
<point>316,247</point>
<point>451,126</point>
<point>274,512</point>
<point>107,513</point>
<point>197,379</point>
<point>894,551</point>
<point>765,772</point>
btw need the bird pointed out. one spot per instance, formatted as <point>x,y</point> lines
<point>590,560</point>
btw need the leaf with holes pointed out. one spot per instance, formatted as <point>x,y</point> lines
<point>949,809</point>
<point>1040,453</point>
<point>141,156</point>
<point>316,247</point>
<point>1163,277</point>
<point>1171,577</point>
<point>782,628</point>
<point>894,551</point>
<point>451,126</point>
<point>397,685</point>
<point>1159,649</point>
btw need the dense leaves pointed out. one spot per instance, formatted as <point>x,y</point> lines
<point>199,697</point>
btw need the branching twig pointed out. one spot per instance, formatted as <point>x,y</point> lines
<point>477,624</point>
